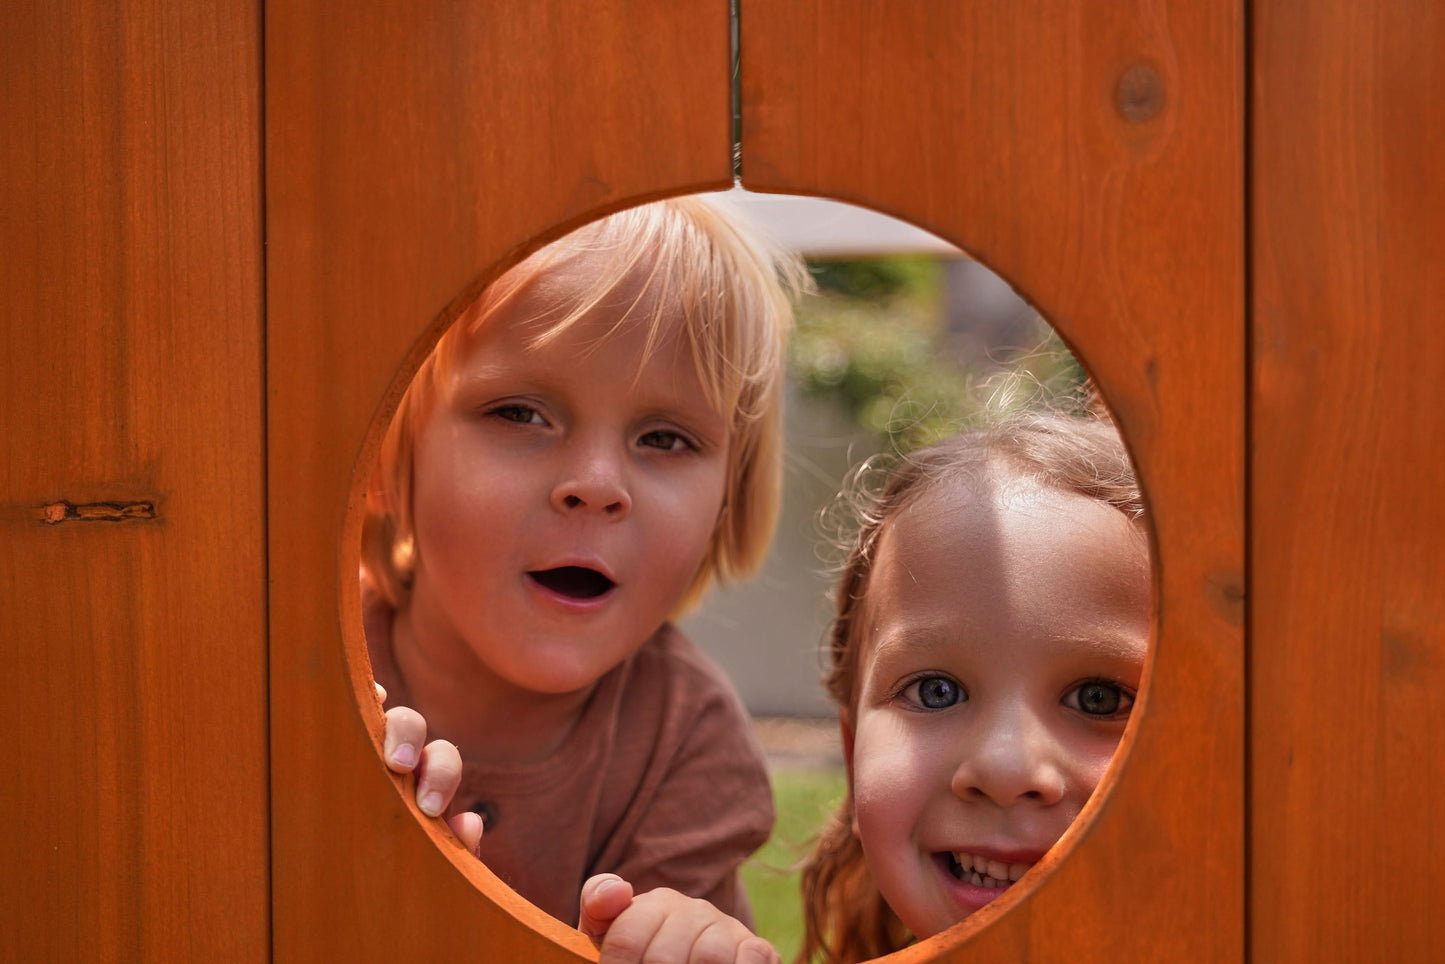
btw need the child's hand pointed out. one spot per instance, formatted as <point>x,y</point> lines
<point>438,768</point>
<point>664,925</point>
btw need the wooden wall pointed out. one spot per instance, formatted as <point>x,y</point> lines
<point>1232,213</point>
<point>132,499</point>
<point>1347,501</point>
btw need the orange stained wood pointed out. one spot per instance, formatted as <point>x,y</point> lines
<point>1347,507</point>
<point>179,464</point>
<point>132,510</point>
<point>1091,153</point>
<point>409,150</point>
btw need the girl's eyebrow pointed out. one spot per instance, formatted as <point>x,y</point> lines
<point>912,639</point>
<point>1119,645</point>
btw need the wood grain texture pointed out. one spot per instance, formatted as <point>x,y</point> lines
<point>1347,560</point>
<point>131,406</point>
<point>1091,152</point>
<point>410,149</point>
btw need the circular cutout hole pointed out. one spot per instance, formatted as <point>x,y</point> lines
<point>906,341</point>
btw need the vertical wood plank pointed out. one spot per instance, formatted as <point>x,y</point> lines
<point>1091,152</point>
<point>132,570</point>
<point>409,149</point>
<point>1347,581</point>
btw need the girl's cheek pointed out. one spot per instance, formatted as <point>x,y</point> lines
<point>886,760</point>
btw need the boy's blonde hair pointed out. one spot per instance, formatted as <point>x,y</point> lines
<point>704,267</point>
<point>846,918</point>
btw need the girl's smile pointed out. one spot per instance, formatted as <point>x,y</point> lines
<point>1003,636</point>
<point>975,880</point>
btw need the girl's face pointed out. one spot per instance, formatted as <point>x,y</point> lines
<point>1003,637</point>
<point>564,494</point>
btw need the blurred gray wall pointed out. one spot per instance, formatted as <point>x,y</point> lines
<point>767,633</point>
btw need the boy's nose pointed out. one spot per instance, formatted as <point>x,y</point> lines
<point>593,483</point>
<point>1013,759</point>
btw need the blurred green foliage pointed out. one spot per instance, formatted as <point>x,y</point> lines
<point>805,799</point>
<point>873,340</point>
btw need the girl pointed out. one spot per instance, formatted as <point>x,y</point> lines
<point>993,618</point>
<point>594,441</point>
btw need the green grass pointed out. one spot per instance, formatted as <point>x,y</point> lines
<point>804,799</point>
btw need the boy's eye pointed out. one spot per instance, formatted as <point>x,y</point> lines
<point>522,414</point>
<point>1101,698</point>
<point>935,692</point>
<point>665,440</point>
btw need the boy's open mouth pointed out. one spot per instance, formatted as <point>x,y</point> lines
<point>575,582</point>
<point>982,872</point>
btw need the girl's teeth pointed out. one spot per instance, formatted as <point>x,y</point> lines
<point>983,872</point>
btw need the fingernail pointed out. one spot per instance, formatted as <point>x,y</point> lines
<point>610,883</point>
<point>430,803</point>
<point>404,755</point>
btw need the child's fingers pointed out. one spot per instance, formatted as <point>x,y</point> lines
<point>755,950</point>
<point>380,691</point>
<point>702,934</point>
<point>664,925</point>
<point>438,775</point>
<point>405,737</point>
<point>636,932</point>
<point>468,828</point>
<point>604,896</point>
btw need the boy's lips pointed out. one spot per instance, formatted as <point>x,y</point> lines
<point>581,583</point>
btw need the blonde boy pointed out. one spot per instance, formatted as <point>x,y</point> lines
<point>592,444</point>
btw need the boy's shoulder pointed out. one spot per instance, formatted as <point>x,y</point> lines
<point>673,660</point>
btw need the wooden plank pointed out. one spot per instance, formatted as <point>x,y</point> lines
<point>131,513</point>
<point>409,150</point>
<point>1091,152</point>
<point>1347,563</point>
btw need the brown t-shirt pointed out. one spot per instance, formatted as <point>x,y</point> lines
<point>661,782</point>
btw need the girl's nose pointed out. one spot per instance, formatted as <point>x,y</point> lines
<point>1014,759</point>
<point>595,482</point>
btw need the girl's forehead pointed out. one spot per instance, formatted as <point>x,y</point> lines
<point>977,509</point>
<point>1015,560</point>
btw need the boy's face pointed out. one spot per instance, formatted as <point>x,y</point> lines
<point>563,496</point>
<point>1006,634</point>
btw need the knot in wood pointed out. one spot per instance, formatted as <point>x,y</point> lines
<point>1139,94</point>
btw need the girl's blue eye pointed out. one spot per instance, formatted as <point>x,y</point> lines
<point>935,692</point>
<point>667,441</point>
<point>1101,698</point>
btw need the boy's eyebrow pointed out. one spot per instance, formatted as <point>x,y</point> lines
<point>484,371</point>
